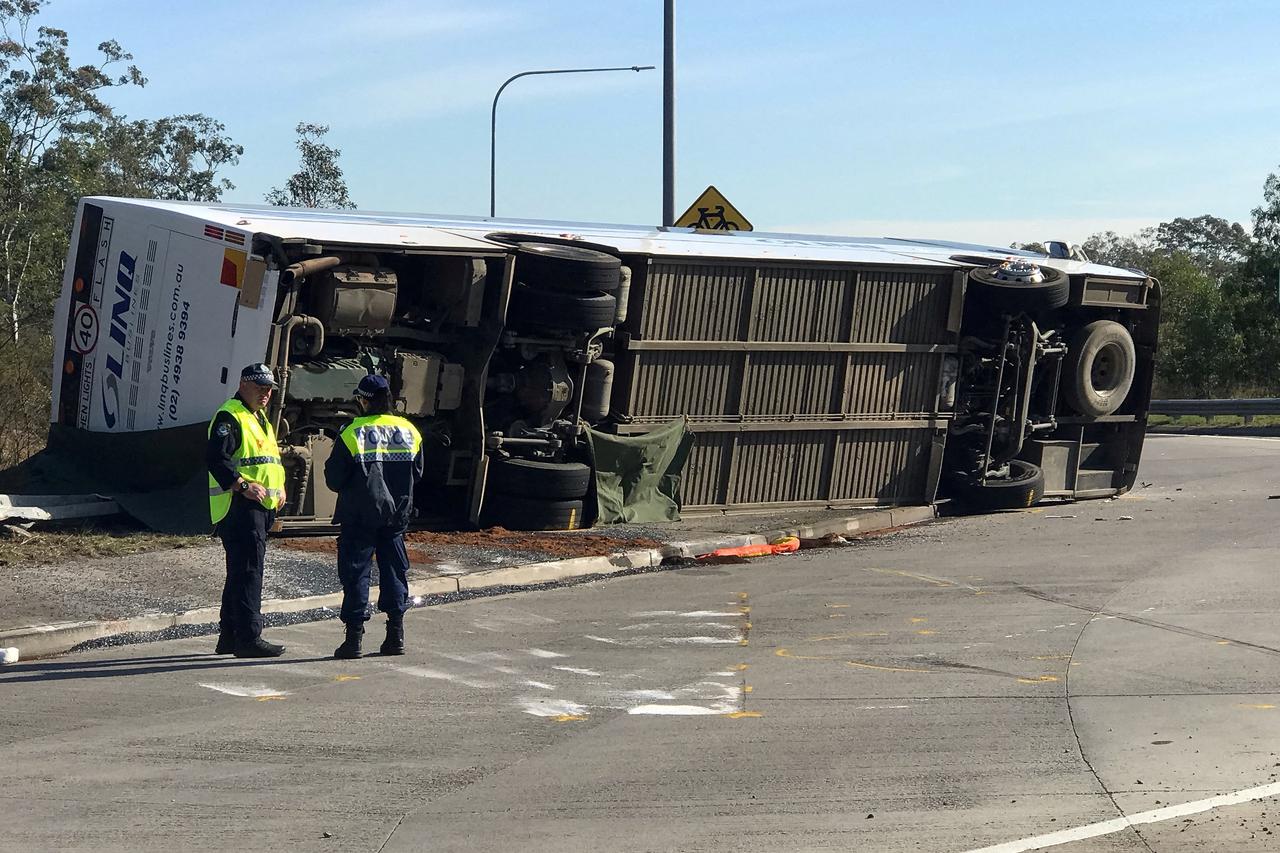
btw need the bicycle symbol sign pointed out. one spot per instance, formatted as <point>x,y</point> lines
<point>713,212</point>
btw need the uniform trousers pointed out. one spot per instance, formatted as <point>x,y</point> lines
<point>357,548</point>
<point>244,538</point>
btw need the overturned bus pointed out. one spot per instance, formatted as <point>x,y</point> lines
<point>805,370</point>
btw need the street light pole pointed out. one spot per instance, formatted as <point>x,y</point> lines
<point>493,118</point>
<point>669,114</point>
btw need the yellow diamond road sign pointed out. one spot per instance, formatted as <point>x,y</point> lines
<point>713,212</point>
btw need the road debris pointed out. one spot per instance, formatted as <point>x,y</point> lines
<point>831,540</point>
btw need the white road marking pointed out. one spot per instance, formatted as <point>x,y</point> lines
<point>422,672</point>
<point>552,707</point>
<point>649,614</point>
<point>675,710</point>
<point>541,685</point>
<point>543,653</point>
<point>578,671</point>
<point>700,641</point>
<point>253,691</point>
<point>1107,827</point>
<point>698,614</point>
<point>648,695</point>
<point>602,640</point>
<point>481,660</point>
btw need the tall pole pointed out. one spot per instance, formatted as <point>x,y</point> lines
<point>669,115</point>
<point>493,117</point>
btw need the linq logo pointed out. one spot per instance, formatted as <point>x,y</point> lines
<point>119,332</point>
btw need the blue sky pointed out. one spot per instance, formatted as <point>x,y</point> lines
<point>985,121</point>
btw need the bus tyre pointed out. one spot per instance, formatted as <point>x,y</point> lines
<point>533,308</point>
<point>1017,297</point>
<point>517,513</point>
<point>535,477</point>
<point>1023,487</point>
<point>1101,363</point>
<point>568,268</point>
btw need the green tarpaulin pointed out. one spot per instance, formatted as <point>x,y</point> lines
<point>638,476</point>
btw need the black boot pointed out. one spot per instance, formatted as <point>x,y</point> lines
<point>226,642</point>
<point>394,643</point>
<point>350,648</point>
<point>258,648</point>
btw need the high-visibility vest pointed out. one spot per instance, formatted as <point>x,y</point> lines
<point>257,460</point>
<point>382,438</point>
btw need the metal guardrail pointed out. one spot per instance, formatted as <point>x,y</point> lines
<point>1208,408</point>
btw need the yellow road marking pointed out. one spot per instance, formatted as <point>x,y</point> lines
<point>886,668</point>
<point>745,608</point>
<point>747,688</point>
<point>1259,707</point>
<point>569,718</point>
<point>924,578</point>
<point>1224,642</point>
<point>268,698</point>
<point>916,620</point>
<point>1039,679</point>
<point>851,636</point>
<point>346,678</point>
<point>738,715</point>
<point>926,633</point>
<point>1052,657</point>
<point>740,667</point>
<point>784,652</point>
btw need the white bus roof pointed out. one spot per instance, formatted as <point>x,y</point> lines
<point>468,232</point>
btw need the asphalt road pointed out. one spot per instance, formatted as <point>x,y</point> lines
<point>977,682</point>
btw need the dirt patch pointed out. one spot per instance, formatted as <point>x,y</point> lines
<point>554,545</point>
<point>493,545</point>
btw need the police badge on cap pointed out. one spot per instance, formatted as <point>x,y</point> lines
<point>258,374</point>
<point>371,386</point>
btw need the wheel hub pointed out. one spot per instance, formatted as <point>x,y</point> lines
<point>1018,270</point>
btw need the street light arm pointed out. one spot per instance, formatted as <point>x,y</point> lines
<point>493,116</point>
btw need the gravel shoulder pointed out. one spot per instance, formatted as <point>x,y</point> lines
<point>61,588</point>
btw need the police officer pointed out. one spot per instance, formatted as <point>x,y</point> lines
<point>246,486</point>
<point>374,467</point>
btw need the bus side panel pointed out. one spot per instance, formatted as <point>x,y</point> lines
<point>158,319</point>
<point>805,384</point>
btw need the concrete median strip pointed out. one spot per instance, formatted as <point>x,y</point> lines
<point>44,640</point>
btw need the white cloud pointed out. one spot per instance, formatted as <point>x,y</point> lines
<point>441,91</point>
<point>398,20</point>
<point>990,232</point>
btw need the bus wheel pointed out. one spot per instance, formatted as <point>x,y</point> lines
<point>1100,366</point>
<point>553,309</point>
<point>555,480</point>
<point>1023,487</point>
<point>516,513</point>
<point>568,268</point>
<point>1015,287</point>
